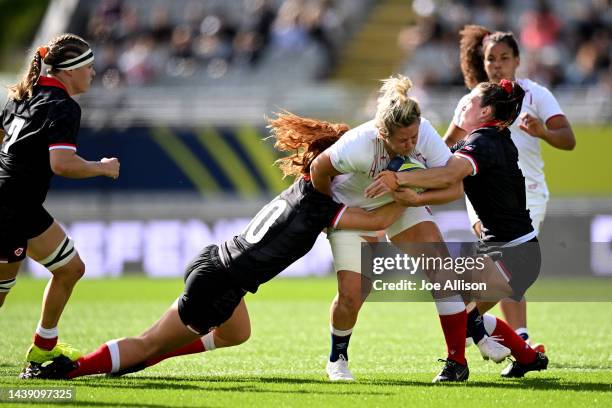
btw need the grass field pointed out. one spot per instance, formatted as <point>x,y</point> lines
<point>393,352</point>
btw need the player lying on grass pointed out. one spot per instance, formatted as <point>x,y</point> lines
<point>216,281</point>
<point>487,162</point>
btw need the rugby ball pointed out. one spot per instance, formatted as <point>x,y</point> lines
<point>401,164</point>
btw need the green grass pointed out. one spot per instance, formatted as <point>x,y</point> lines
<point>393,352</point>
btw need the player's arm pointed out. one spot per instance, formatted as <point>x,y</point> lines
<point>557,131</point>
<point>453,134</point>
<point>455,170</point>
<point>375,220</point>
<point>410,198</point>
<point>321,173</point>
<point>66,163</point>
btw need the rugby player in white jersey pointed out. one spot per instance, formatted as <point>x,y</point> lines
<point>493,56</point>
<point>346,169</point>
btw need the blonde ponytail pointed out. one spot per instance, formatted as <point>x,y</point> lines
<point>395,109</point>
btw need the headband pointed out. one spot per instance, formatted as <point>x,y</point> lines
<point>77,62</point>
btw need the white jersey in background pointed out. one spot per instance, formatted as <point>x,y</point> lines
<point>360,154</point>
<point>539,102</point>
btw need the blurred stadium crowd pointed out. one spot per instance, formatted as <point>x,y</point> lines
<point>142,42</point>
<point>562,42</point>
<point>139,43</point>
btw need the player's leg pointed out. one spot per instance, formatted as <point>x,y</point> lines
<point>414,228</point>
<point>8,278</point>
<point>515,313</point>
<point>233,332</point>
<point>168,333</point>
<point>522,263</point>
<point>55,251</point>
<point>346,249</point>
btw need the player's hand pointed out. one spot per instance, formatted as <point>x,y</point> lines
<point>111,167</point>
<point>407,197</point>
<point>531,125</point>
<point>385,182</point>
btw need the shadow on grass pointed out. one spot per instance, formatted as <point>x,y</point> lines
<point>546,383</point>
<point>103,404</point>
<point>251,384</point>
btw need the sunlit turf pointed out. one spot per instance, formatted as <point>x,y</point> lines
<point>393,352</point>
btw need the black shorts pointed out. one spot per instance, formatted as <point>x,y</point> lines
<point>210,297</point>
<point>17,226</point>
<point>521,264</point>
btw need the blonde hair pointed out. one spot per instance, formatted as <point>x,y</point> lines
<point>306,138</point>
<point>59,49</point>
<point>395,109</point>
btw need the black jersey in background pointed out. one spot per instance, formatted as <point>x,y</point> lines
<point>281,233</point>
<point>49,119</point>
<point>496,189</point>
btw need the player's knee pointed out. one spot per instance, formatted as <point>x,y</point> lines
<point>73,273</point>
<point>242,335</point>
<point>78,270</point>
<point>64,262</point>
<point>348,299</point>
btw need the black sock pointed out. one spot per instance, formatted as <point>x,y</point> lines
<point>475,325</point>
<point>339,347</point>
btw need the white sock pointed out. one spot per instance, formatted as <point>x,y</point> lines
<point>521,330</point>
<point>490,322</point>
<point>450,305</point>
<point>113,348</point>
<point>209,341</point>
<point>46,333</point>
<point>340,333</point>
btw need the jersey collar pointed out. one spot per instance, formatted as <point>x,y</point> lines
<point>50,81</point>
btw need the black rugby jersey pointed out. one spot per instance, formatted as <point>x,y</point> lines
<point>497,187</point>
<point>49,119</point>
<point>281,233</point>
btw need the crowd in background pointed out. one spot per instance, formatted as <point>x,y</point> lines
<point>207,40</point>
<point>562,42</point>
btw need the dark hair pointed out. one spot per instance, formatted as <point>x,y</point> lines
<point>305,138</point>
<point>505,98</point>
<point>61,48</point>
<point>472,43</point>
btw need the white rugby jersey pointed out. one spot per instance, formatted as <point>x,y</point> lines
<point>540,103</point>
<point>360,155</point>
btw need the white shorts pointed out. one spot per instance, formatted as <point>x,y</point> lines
<point>346,244</point>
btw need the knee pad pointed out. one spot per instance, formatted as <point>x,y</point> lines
<point>61,256</point>
<point>6,285</point>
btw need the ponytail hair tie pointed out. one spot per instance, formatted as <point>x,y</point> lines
<point>42,51</point>
<point>506,86</point>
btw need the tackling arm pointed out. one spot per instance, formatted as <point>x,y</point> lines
<point>321,173</point>
<point>375,220</point>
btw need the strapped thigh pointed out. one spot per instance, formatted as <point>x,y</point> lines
<point>64,252</point>
<point>7,284</point>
